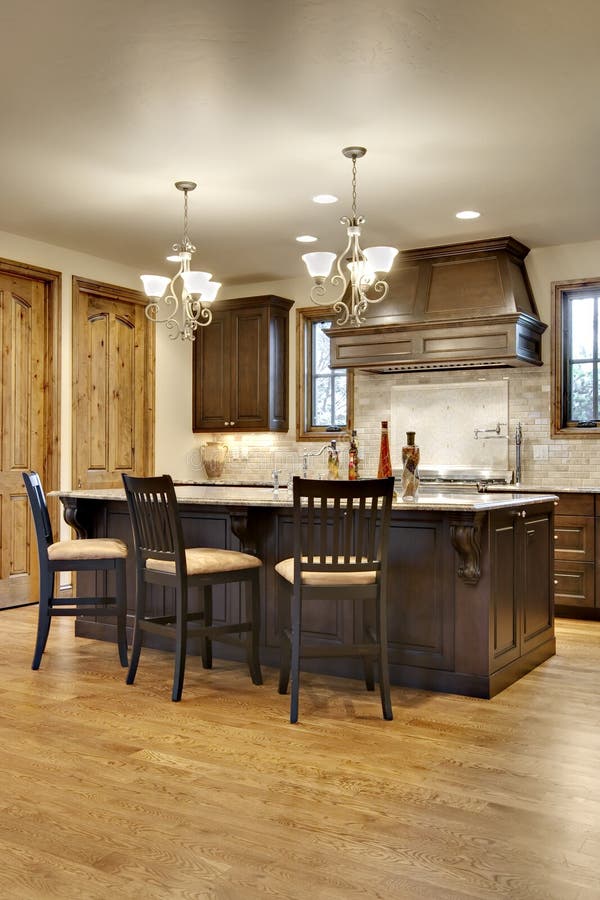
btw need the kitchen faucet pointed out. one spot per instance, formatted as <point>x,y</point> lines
<point>306,455</point>
<point>518,442</point>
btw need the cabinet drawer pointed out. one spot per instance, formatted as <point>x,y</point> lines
<point>574,584</point>
<point>574,538</point>
<point>575,505</point>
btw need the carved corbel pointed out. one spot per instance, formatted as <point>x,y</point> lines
<point>70,515</point>
<point>466,540</point>
<point>242,530</point>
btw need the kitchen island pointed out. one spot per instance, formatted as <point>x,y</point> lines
<point>470,605</point>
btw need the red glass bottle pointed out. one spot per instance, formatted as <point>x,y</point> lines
<point>385,460</point>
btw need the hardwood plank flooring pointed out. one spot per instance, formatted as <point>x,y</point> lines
<point>115,791</point>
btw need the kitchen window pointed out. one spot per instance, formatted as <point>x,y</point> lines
<point>324,395</point>
<point>576,359</point>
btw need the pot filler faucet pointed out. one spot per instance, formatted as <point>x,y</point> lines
<point>306,455</point>
<point>518,442</point>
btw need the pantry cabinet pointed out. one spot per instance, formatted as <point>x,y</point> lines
<point>240,367</point>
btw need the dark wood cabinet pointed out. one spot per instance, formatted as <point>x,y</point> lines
<point>470,601</point>
<point>575,554</point>
<point>521,563</point>
<point>240,367</point>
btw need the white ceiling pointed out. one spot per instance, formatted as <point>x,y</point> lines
<point>461,103</point>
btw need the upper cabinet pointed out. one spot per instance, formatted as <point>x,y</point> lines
<point>240,367</point>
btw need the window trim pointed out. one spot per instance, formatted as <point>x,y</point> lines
<point>305,317</point>
<point>560,291</point>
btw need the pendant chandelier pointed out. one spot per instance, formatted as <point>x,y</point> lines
<point>182,302</point>
<point>354,266</point>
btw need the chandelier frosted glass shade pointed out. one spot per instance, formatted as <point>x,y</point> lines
<point>196,282</point>
<point>354,283</point>
<point>381,259</point>
<point>182,302</point>
<point>319,264</point>
<point>155,285</point>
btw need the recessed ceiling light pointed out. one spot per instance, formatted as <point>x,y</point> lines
<point>468,214</point>
<point>325,198</point>
<point>306,238</point>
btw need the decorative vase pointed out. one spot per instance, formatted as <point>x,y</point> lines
<point>384,469</point>
<point>353,472</point>
<point>214,456</point>
<point>410,468</point>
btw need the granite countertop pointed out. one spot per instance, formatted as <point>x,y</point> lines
<point>236,495</point>
<point>538,489</point>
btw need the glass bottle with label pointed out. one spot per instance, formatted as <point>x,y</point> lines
<point>410,468</point>
<point>353,473</point>
<point>333,462</point>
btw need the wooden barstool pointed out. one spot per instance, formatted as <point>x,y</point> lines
<point>161,558</point>
<point>341,531</point>
<point>83,555</point>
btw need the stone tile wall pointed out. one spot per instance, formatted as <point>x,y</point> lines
<point>546,461</point>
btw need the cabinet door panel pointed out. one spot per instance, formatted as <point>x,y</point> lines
<point>420,599</point>
<point>212,375</point>
<point>249,361</point>
<point>504,616</point>
<point>537,599</point>
<point>574,584</point>
<point>574,538</point>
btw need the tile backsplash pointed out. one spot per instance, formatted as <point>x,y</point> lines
<point>545,461</point>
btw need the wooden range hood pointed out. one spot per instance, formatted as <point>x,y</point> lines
<point>458,306</point>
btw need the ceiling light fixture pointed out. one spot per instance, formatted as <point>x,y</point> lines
<point>325,198</point>
<point>362,266</point>
<point>468,214</point>
<point>306,238</point>
<point>186,304</point>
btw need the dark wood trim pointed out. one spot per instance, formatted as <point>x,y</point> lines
<point>304,315</point>
<point>559,288</point>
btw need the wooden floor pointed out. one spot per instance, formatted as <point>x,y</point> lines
<point>111,791</point>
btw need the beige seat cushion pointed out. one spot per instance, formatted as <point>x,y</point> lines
<point>285,568</point>
<point>88,548</point>
<point>208,561</point>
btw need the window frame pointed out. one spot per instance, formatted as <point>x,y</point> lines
<point>560,348</point>
<point>305,319</point>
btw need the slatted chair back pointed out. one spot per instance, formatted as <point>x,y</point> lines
<point>39,509</point>
<point>155,522</point>
<point>341,526</point>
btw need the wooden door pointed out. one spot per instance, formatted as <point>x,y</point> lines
<point>28,400</point>
<point>113,385</point>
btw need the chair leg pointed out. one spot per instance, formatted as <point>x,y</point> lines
<point>254,633</point>
<point>206,644</point>
<point>295,667</point>
<point>368,661</point>
<point>44,616</point>
<point>285,647</point>
<point>180,641</point>
<point>140,612</point>
<point>121,603</point>
<point>384,670</point>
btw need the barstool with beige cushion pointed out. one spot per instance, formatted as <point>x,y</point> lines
<point>161,558</point>
<point>341,531</point>
<point>102,555</point>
